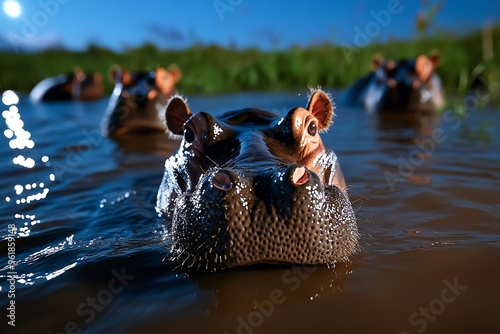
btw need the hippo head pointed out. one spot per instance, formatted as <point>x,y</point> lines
<point>252,187</point>
<point>138,100</point>
<point>86,86</point>
<point>405,85</point>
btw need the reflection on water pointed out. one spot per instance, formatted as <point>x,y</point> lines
<point>81,211</point>
<point>20,140</point>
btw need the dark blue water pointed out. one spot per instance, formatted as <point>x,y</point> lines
<point>89,253</point>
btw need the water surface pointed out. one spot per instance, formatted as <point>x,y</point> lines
<point>91,252</point>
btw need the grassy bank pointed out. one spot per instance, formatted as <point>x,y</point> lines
<point>211,69</point>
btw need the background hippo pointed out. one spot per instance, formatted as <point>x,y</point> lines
<point>65,87</point>
<point>253,187</point>
<point>138,100</point>
<point>399,86</point>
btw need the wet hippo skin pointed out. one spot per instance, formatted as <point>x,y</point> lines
<point>77,86</point>
<point>404,86</point>
<point>138,100</point>
<point>251,186</point>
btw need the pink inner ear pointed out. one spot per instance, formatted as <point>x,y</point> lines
<point>126,78</point>
<point>423,67</point>
<point>161,81</point>
<point>321,107</point>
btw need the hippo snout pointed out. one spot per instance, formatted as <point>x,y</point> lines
<point>285,216</point>
<point>252,187</point>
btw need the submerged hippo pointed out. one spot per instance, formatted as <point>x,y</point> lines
<point>139,99</point>
<point>77,86</point>
<point>399,86</point>
<point>252,187</point>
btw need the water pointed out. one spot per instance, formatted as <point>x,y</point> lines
<point>90,251</point>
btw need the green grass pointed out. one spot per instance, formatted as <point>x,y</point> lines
<point>212,69</point>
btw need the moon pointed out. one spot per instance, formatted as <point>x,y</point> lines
<point>12,8</point>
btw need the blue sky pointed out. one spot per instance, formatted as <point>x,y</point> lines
<point>119,24</point>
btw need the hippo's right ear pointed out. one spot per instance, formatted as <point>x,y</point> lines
<point>175,72</point>
<point>424,66</point>
<point>176,114</point>
<point>321,107</point>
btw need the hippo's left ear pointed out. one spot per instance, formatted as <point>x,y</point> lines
<point>176,114</point>
<point>79,74</point>
<point>321,107</point>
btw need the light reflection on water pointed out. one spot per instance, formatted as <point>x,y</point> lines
<point>20,139</point>
<point>100,217</point>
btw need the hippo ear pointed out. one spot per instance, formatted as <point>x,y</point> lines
<point>175,72</point>
<point>79,74</point>
<point>165,80</point>
<point>114,73</point>
<point>321,107</point>
<point>435,58</point>
<point>161,78</point>
<point>376,61</point>
<point>176,114</point>
<point>97,77</point>
<point>424,66</point>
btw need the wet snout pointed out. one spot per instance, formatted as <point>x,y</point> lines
<point>283,192</point>
<point>295,175</point>
<point>271,216</point>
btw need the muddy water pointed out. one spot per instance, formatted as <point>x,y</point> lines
<point>89,253</point>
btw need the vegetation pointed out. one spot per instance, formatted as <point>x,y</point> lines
<point>212,69</point>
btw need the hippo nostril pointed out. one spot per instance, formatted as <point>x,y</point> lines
<point>222,181</point>
<point>300,176</point>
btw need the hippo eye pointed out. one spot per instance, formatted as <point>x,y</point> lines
<point>189,135</point>
<point>312,129</point>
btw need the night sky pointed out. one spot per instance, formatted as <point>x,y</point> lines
<point>266,24</point>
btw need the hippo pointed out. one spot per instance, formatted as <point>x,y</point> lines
<point>404,86</point>
<point>253,187</point>
<point>138,100</point>
<point>75,86</point>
